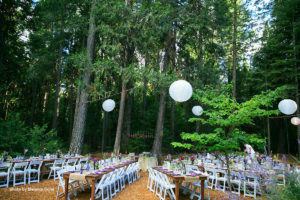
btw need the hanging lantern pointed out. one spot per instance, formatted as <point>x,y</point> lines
<point>197,110</point>
<point>287,106</point>
<point>295,121</point>
<point>108,105</point>
<point>181,90</point>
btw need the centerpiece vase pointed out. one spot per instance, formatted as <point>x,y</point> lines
<point>88,167</point>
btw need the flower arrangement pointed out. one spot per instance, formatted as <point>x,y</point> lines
<point>169,157</point>
<point>192,159</point>
<point>58,153</point>
<point>25,151</point>
<point>94,162</point>
<point>104,155</point>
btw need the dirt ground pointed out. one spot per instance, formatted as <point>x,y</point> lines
<point>47,189</point>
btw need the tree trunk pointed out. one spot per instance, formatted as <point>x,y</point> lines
<point>172,128</point>
<point>156,148</point>
<point>33,102</point>
<point>45,101</point>
<point>81,103</point>
<point>198,126</point>
<point>296,84</point>
<point>6,104</point>
<point>104,131</point>
<point>269,135</point>
<point>120,119</point>
<point>159,131</point>
<point>57,93</point>
<point>234,49</point>
<point>128,111</point>
<point>145,88</point>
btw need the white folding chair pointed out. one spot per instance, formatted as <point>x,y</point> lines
<point>61,184</point>
<point>4,174</point>
<point>70,164</point>
<point>57,165</point>
<point>250,186</point>
<point>211,177</point>
<point>167,188</point>
<point>34,168</point>
<point>82,163</point>
<point>101,188</point>
<point>19,170</point>
<point>235,179</point>
<point>112,184</point>
<point>150,182</point>
<point>122,178</point>
<point>221,180</point>
<point>128,174</point>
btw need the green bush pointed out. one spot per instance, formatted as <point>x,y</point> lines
<point>15,136</point>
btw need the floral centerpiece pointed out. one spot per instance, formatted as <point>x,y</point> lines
<point>192,159</point>
<point>25,151</point>
<point>104,155</point>
<point>112,156</point>
<point>58,153</point>
<point>4,155</point>
<point>94,160</point>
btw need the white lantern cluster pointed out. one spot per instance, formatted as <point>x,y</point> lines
<point>287,106</point>
<point>295,121</point>
<point>181,90</point>
<point>108,105</point>
<point>197,110</point>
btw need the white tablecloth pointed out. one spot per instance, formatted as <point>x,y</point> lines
<point>146,162</point>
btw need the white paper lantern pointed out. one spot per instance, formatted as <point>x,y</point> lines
<point>295,121</point>
<point>197,110</point>
<point>108,105</point>
<point>287,106</point>
<point>181,90</point>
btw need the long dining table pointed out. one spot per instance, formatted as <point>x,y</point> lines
<point>93,177</point>
<point>178,179</point>
<point>45,162</point>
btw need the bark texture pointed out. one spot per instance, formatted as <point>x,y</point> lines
<point>234,49</point>
<point>120,119</point>
<point>82,100</point>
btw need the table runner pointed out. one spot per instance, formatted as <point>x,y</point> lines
<point>78,176</point>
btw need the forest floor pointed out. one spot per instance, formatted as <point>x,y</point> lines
<point>47,189</point>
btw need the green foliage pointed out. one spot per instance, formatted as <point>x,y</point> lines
<point>15,136</point>
<point>227,115</point>
<point>39,137</point>
<point>291,190</point>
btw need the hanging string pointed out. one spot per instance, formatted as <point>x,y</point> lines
<point>284,116</point>
<point>111,95</point>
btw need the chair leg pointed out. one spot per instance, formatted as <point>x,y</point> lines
<point>38,177</point>
<point>29,177</point>
<point>57,194</point>
<point>14,181</point>
<point>50,174</point>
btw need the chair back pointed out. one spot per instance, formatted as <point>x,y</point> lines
<point>72,162</point>
<point>58,163</point>
<point>35,165</point>
<point>191,168</point>
<point>5,167</point>
<point>20,166</point>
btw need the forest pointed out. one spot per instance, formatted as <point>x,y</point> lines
<point>60,60</point>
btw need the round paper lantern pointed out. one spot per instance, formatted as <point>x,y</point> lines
<point>287,106</point>
<point>181,90</point>
<point>295,121</point>
<point>197,110</point>
<point>108,105</point>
